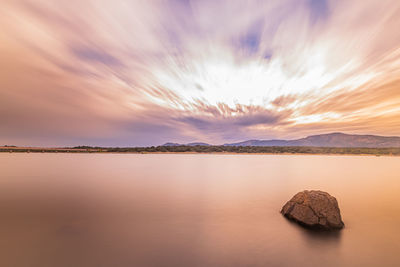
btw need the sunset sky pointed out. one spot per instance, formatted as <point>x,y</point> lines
<point>137,73</point>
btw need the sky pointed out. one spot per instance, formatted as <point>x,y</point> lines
<point>141,73</point>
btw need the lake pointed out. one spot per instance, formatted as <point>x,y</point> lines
<point>192,210</point>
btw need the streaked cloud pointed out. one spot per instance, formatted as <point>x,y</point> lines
<point>146,72</point>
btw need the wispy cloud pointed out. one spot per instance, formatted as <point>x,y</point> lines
<point>146,72</point>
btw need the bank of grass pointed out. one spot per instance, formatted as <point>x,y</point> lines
<point>212,149</point>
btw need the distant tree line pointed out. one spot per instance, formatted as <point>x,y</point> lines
<point>260,149</point>
<point>214,149</point>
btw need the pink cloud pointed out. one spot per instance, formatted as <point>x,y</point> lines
<point>147,72</point>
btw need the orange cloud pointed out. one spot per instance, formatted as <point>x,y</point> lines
<point>143,73</point>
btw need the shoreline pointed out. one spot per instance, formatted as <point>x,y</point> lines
<point>104,151</point>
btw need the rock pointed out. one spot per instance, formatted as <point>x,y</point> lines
<point>314,209</point>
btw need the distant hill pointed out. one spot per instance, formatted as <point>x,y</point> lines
<point>329,140</point>
<point>321,140</point>
<point>172,144</point>
<point>189,144</point>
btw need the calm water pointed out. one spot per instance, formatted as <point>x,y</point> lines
<point>192,210</point>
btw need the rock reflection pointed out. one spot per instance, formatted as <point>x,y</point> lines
<point>319,238</point>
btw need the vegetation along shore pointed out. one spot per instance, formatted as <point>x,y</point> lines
<point>211,149</point>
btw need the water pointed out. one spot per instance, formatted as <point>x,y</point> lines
<point>192,210</point>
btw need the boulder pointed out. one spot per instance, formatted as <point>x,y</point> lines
<point>314,209</point>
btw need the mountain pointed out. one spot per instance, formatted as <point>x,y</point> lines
<point>171,144</point>
<point>321,140</point>
<point>274,142</point>
<point>329,140</point>
<point>189,144</point>
<point>198,144</point>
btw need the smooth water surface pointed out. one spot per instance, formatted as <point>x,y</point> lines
<point>192,210</point>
